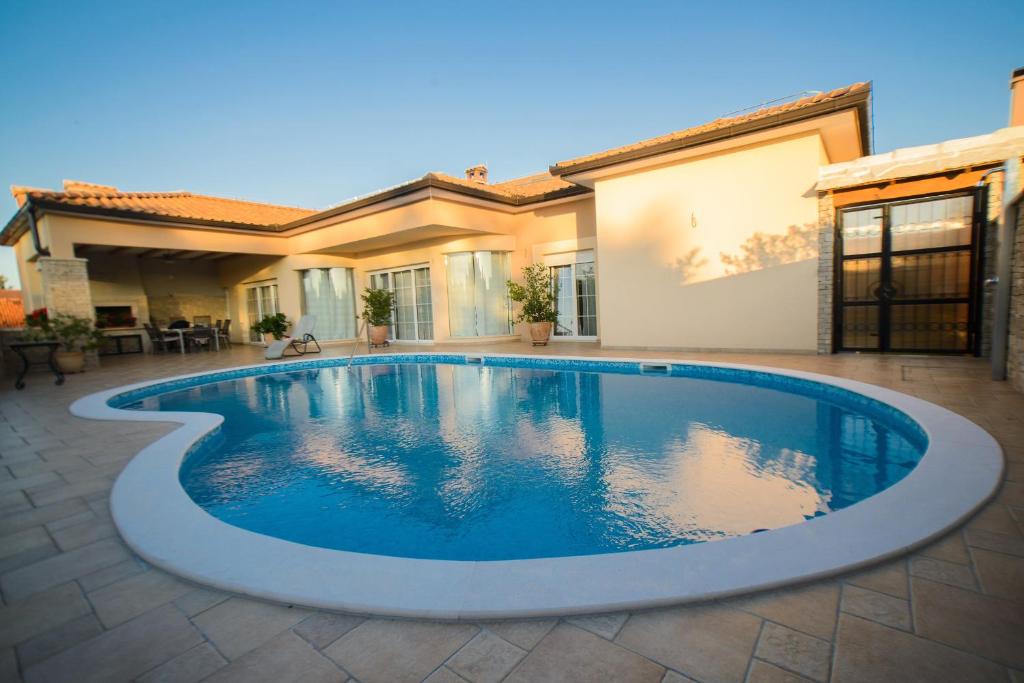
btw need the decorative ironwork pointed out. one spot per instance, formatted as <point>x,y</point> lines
<point>907,274</point>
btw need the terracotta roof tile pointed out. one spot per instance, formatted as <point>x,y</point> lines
<point>184,205</point>
<point>717,124</point>
<point>526,187</point>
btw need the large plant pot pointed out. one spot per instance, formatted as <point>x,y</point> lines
<point>378,334</point>
<point>540,333</point>
<point>70,362</point>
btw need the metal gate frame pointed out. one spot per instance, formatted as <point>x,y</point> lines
<point>885,292</point>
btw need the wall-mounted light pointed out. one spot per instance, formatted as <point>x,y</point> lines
<point>693,220</point>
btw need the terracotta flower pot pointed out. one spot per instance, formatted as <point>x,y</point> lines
<point>70,362</point>
<point>378,334</point>
<point>540,333</point>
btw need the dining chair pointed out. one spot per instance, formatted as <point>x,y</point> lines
<point>160,341</point>
<point>201,338</point>
<point>224,332</point>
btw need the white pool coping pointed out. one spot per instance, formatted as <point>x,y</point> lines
<point>960,470</point>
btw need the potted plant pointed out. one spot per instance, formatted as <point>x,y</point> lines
<point>76,336</point>
<point>377,305</point>
<point>271,326</point>
<point>538,302</point>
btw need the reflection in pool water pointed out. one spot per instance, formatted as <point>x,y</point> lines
<point>489,463</point>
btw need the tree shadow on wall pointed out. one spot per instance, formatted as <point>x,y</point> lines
<point>764,250</point>
<point>689,265</point>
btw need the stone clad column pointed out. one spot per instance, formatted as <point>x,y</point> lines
<point>66,286</point>
<point>826,271</point>
<point>65,283</point>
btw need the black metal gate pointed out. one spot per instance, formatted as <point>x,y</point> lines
<point>907,275</point>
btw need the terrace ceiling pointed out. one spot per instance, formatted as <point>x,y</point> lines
<point>87,250</point>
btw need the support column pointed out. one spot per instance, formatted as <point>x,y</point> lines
<point>1015,350</point>
<point>65,285</point>
<point>826,271</point>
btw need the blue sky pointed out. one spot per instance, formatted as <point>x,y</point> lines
<point>311,103</point>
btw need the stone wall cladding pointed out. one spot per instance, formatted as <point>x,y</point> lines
<point>66,290</point>
<point>826,271</point>
<point>66,286</point>
<point>166,309</point>
<point>1015,343</point>
<point>990,245</point>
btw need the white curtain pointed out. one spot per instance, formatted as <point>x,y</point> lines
<point>329,294</point>
<point>477,295</point>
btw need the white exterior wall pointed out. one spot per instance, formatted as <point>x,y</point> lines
<point>662,233</point>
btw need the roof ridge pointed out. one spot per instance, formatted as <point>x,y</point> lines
<point>250,201</point>
<point>539,175</point>
<point>714,124</point>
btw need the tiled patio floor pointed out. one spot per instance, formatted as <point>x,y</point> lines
<point>78,606</point>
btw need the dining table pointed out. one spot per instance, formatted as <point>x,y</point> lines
<point>183,332</point>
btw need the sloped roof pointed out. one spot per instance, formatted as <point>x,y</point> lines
<point>187,207</point>
<point>180,206</point>
<point>183,205</point>
<point>768,115</point>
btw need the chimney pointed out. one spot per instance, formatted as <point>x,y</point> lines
<point>1017,97</point>
<point>478,173</point>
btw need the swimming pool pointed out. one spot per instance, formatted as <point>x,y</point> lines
<point>453,485</point>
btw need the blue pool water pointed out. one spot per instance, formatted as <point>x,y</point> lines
<point>467,462</point>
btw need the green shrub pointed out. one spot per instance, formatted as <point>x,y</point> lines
<point>377,305</point>
<point>536,295</point>
<point>275,325</point>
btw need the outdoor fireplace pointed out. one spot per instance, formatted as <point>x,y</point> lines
<point>114,316</point>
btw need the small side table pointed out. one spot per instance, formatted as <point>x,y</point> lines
<point>19,348</point>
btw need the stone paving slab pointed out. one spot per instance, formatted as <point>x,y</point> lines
<point>58,639</point>
<point>122,600</point>
<point>122,653</point>
<point>78,606</point>
<point>398,651</point>
<point>877,653</point>
<point>707,642</point>
<point>570,654</point>
<point>190,666</point>
<point>285,659</point>
<point>40,613</point>
<point>23,582</point>
<point>238,625</point>
<point>811,609</point>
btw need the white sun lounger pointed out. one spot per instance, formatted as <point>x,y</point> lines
<point>302,337</point>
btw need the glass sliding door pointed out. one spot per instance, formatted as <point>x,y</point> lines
<point>586,300</point>
<point>405,306</point>
<point>478,304</point>
<point>260,301</point>
<point>412,317</point>
<point>424,304</point>
<point>565,303</point>
<point>575,290</point>
<point>329,294</point>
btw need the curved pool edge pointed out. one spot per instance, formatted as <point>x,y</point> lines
<point>165,527</point>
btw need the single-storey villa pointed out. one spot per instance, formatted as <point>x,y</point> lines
<point>773,230</point>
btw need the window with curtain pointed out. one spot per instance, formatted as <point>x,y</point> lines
<point>478,304</point>
<point>412,317</point>
<point>329,294</point>
<point>261,301</point>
